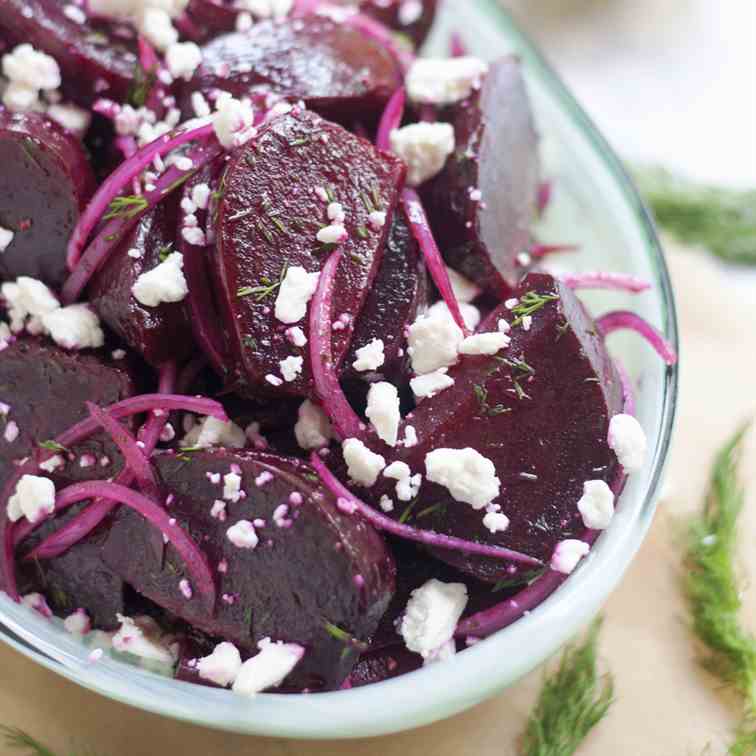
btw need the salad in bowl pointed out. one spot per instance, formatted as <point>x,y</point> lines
<point>293,397</point>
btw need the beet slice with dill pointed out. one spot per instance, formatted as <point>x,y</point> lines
<point>337,70</point>
<point>316,577</point>
<point>160,334</point>
<point>483,203</point>
<point>276,192</point>
<point>93,61</point>
<point>399,294</point>
<point>45,184</point>
<point>539,410</point>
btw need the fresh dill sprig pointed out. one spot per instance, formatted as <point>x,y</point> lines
<point>573,700</point>
<point>21,741</point>
<point>126,206</point>
<point>713,591</point>
<point>530,303</point>
<point>722,220</point>
<point>481,394</point>
<point>265,289</point>
<point>53,446</point>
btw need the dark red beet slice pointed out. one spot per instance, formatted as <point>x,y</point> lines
<point>45,183</point>
<point>325,567</point>
<point>540,412</point>
<point>92,62</point>
<point>159,333</point>
<point>496,153</point>
<point>411,17</point>
<point>268,220</point>
<point>335,69</point>
<point>400,291</point>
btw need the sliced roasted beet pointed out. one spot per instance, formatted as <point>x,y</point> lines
<point>77,578</point>
<point>93,62</point>
<point>45,183</point>
<point>159,333</point>
<point>46,388</point>
<point>399,292</point>
<point>268,219</point>
<point>315,577</point>
<point>483,203</point>
<point>335,69</point>
<point>411,17</point>
<point>540,411</point>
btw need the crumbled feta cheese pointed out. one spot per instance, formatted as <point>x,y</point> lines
<point>11,432</point>
<point>510,304</point>
<point>38,603</point>
<point>78,623</point>
<point>363,465</point>
<point>291,368</point>
<point>233,121</point>
<point>26,66</point>
<point>70,117</point>
<point>6,237</point>
<point>567,554</point>
<point>333,234</point>
<point>430,384</point>
<point>383,411</point>
<point>431,616</point>
<point>596,505</point>
<point>244,22</point>
<point>410,436</point>
<point>213,432</point>
<point>424,147</point>
<point>335,212</point>
<point>274,380</point>
<point>185,588</point>
<point>20,99</point>
<point>444,81</point>
<point>232,486</point>
<point>74,327</point>
<point>201,196</point>
<point>470,313</point>
<point>527,322</point>
<point>267,8</point>
<point>200,105</point>
<point>218,510</point>
<point>370,357</point>
<point>313,428</point>
<point>503,326</point>
<point>524,259</point>
<point>141,637</point>
<point>464,289</point>
<point>386,504</point>
<point>377,219</point>
<point>628,441</point>
<point>433,343</point>
<point>294,294</point>
<point>222,666</point>
<point>243,535</point>
<point>27,298</point>
<point>75,14</point>
<point>34,498</point>
<point>164,283</point>
<point>296,336</point>
<point>155,24</point>
<point>182,59</point>
<point>269,668</point>
<point>469,476</point>
<point>484,343</point>
<point>410,11</point>
<point>496,522</point>
<point>407,484</point>
<point>52,464</point>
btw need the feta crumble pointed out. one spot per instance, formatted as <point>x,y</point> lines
<point>424,147</point>
<point>377,219</point>
<point>386,504</point>
<point>291,368</point>
<point>431,616</point>
<point>430,384</point>
<point>383,411</point>
<point>370,357</point>
<point>164,283</point>
<point>333,234</point>
<point>52,464</point>
<point>233,121</point>
<point>407,484</point>
<point>628,441</point>
<point>141,637</point>
<point>74,327</point>
<point>464,289</point>
<point>313,428</point>
<point>444,81</point>
<point>596,505</point>
<point>77,623</point>
<point>484,343</point>
<point>294,294</point>
<point>221,666</point>
<point>243,535</point>
<point>182,59</point>
<point>363,465</point>
<point>496,522</point>
<point>296,336</point>
<point>28,298</point>
<point>568,554</point>
<point>433,343</point>
<point>34,498</point>
<point>469,476</point>
<point>269,668</point>
<point>410,437</point>
<point>29,71</point>
<point>470,313</point>
<point>213,432</point>
<point>267,8</point>
<point>232,487</point>
<point>6,237</point>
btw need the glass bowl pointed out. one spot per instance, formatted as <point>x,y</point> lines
<point>594,205</point>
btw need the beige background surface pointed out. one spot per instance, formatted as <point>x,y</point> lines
<point>665,704</point>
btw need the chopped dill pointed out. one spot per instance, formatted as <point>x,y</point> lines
<point>407,512</point>
<point>529,304</point>
<point>362,232</point>
<point>441,506</point>
<point>165,251</point>
<point>53,446</point>
<point>127,206</point>
<point>22,741</point>
<point>144,81</point>
<point>343,636</point>
<point>179,182</point>
<point>266,288</point>
<point>481,394</point>
<point>713,591</point>
<point>573,700</point>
